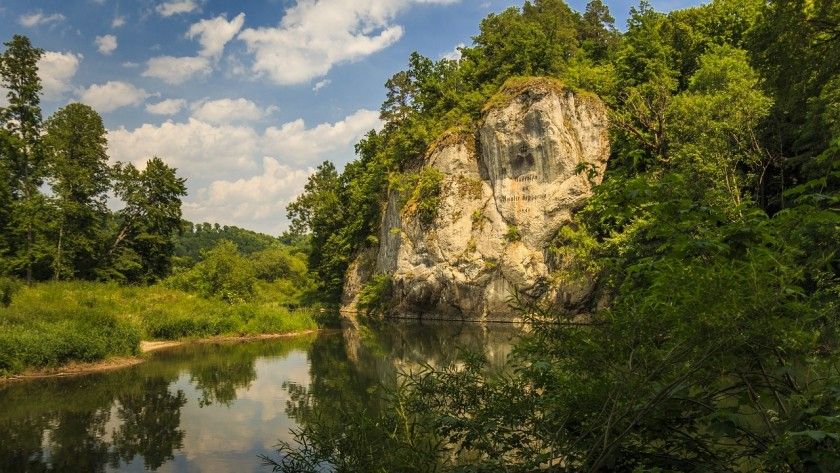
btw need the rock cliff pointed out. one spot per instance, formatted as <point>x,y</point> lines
<point>504,193</point>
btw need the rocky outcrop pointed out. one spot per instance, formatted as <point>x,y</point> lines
<point>506,191</point>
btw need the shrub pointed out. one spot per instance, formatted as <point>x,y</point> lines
<point>376,296</point>
<point>420,193</point>
<point>223,274</point>
<point>513,233</point>
<point>8,288</point>
<point>427,195</point>
<point>278,262</point>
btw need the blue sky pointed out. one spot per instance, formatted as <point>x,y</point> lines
<point>244,98</point>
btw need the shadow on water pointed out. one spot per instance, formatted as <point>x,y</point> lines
<point>216,407</point>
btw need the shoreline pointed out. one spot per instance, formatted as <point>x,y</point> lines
<point>146,347</point>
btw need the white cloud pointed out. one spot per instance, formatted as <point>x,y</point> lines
<point>38,18</point>
<point>315,35</point>
<point>455,54</point>
<point>166,107</point>
<point>237,174</point>
<point>176,7</point>
<point>112,95</point>
<point>118,22</point>
<point>258,201</point>
<point>303,145</point>
<point>227,111</point>
<point>106,44</point>
<point>176,70</point>
<point>213,34</point>
<point>200,150</point>
<point>56,71</point>
<point>321,84</point>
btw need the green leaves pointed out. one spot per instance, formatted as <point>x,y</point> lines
<point>151,216</point>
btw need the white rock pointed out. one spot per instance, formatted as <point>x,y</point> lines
<point>523,175</point>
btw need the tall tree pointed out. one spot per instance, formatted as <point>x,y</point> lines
<point>142,249</point>
<point>22,119</point>
<point>75,146</point>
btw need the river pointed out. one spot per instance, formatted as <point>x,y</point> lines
<point>216,407</point>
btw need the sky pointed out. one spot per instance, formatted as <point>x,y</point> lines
<point>245,99</point>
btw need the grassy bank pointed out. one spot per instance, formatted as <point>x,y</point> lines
<point>51,324</point>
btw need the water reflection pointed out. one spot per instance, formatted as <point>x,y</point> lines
<point>216,407</point>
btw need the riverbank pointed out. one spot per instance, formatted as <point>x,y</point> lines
<point>146,347</point>
<point>58,326</point>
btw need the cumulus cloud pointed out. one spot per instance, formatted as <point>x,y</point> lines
<point>303,145</point>
<point>176,7</point>
<point>236,173</point>
<point>259,201</point>
<point>214,34</point>
<point>166,107</point>
<point>112,95</point>
<point>176,70</point>
<point>38,18</point>
<point>315,35</point>
<point>227,111</point>
<point>118,22</point>
<point>56,71</point>
<point>106,44</point>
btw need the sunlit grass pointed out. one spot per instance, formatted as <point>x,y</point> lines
<point>54,323</point>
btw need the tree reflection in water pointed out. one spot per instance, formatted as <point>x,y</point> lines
<point>102,420</point>
<point>150,420</point>
<point>169,410</point>
<point>355,414</point>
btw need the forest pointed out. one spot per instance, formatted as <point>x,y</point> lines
<point>714,236</point>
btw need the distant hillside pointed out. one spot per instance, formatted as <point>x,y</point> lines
<point>198,237</point>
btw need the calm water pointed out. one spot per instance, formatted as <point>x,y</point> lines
<point>214,407</point>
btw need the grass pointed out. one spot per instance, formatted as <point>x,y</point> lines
<point>51,324</point>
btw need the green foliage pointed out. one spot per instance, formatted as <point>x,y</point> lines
<point>223,273</point>
<point>513,234</point>
<point>21,153</point>
<point>75,146</point>
<point>8,288</point>
<point>712,242</point>
<point>143,247</point>
<point>376,297</point>
<point>199,237</point>
<point>424,197</point>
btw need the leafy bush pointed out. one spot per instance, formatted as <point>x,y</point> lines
<point>513,233</point>
<point>279,262</point>
<point>420,192</point>
<point>223,274</point>
<point>8,288</point>
<point>427,195</point>
<point>376,297</point>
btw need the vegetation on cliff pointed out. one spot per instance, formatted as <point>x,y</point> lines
<point>714,237</point>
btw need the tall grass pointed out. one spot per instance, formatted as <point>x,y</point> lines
<point>54,323</point>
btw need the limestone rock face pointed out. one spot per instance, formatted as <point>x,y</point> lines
<point>506,192</point>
